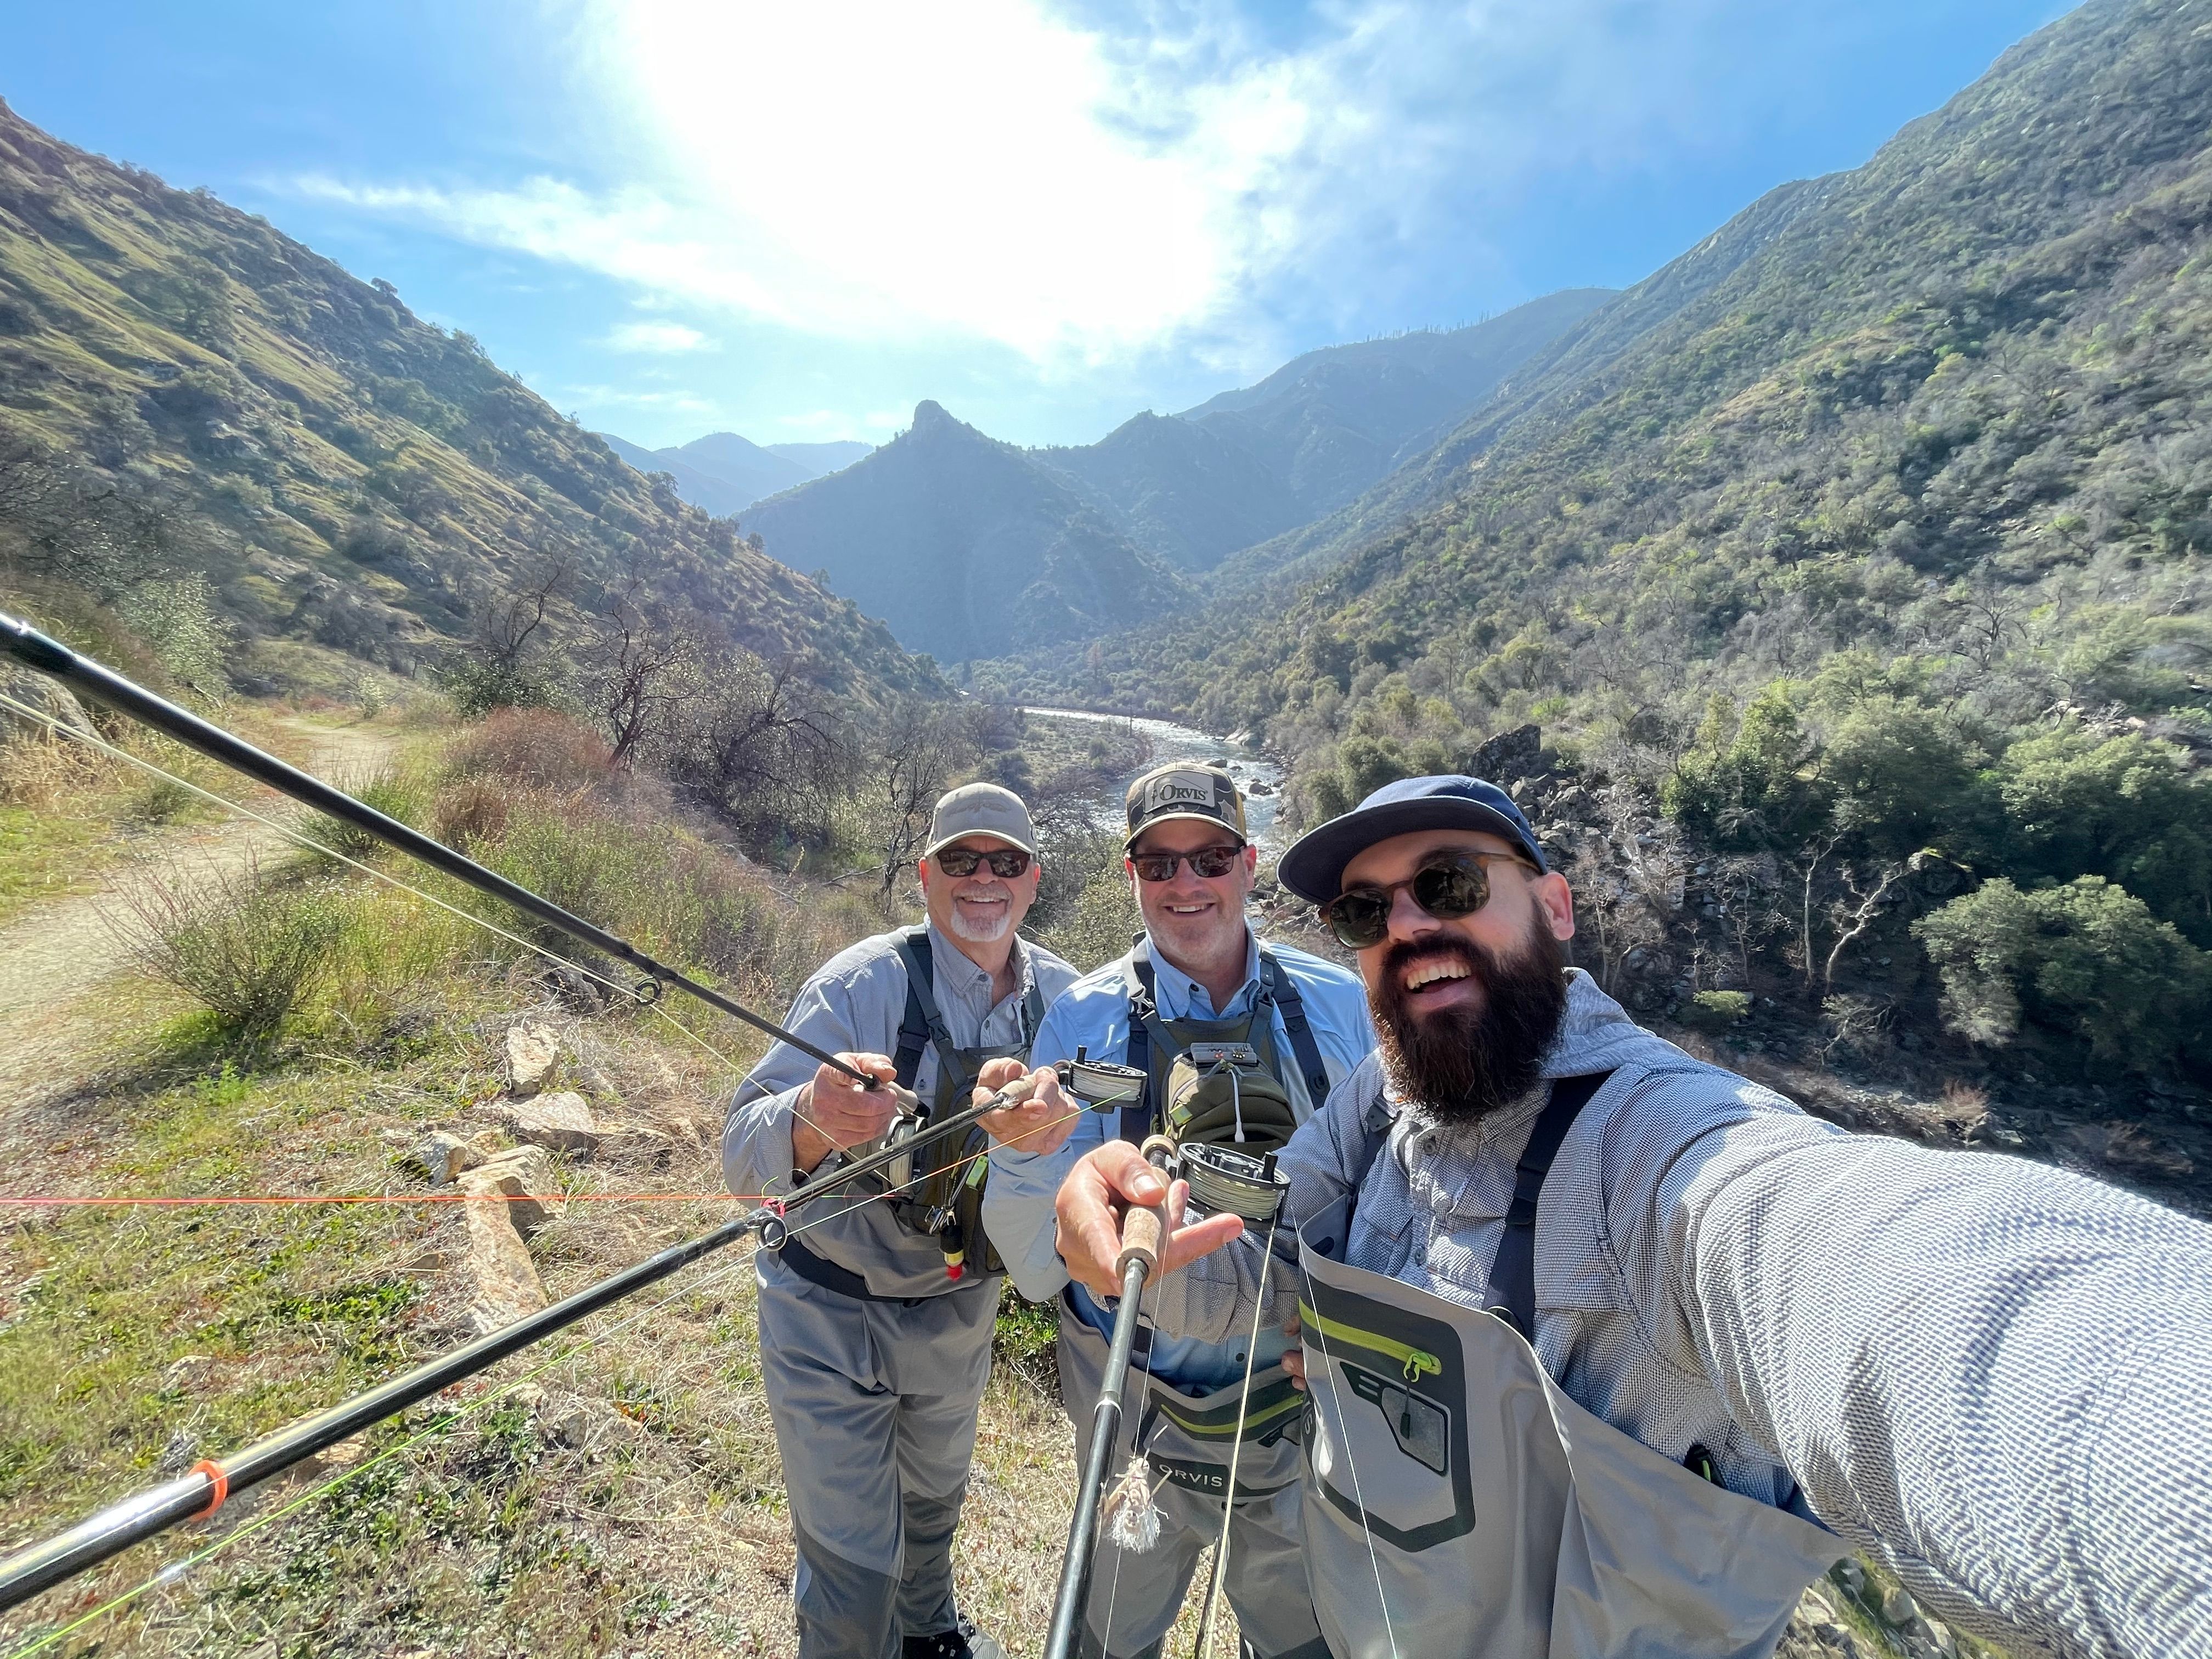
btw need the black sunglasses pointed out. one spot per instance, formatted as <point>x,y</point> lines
<point>1006,863</point>
<point>1208,861</point>
<point>1452,885</point>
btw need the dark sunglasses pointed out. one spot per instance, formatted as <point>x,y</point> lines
<point>1452,885</point>
<point>958,861</point>
<point>1208,861</point>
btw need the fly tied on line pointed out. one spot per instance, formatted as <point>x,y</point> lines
<point>204,1489</point>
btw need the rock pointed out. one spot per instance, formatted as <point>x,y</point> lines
<point>34,690</point>
<point>1851,1577</point>
<point>502,1281</point>
<point>533,1049</point>
<point>560,1122</point>
<point>1898,1607</point>
<point>1510,755</point>
<point>523,1179</point>
<point>444,1155</point>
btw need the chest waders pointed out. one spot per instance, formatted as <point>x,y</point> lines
<point>946,1204</point>
<point>1459,1505</point>
<point>1189,1437</point>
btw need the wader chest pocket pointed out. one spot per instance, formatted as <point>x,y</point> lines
<point>1419,1426</point>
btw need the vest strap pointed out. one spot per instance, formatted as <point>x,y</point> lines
<point>1277,985</point>
<point>1513,1274</point>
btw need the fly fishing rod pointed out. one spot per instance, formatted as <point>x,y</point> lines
<point>104,685</point>
<point>204,1489</point>
<point>1143,1235</point>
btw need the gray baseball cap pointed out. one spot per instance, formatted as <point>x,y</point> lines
<point>980,809</point>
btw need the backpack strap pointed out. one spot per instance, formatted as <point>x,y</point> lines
<point>1277,985</point>
<point>1136,1120</point>
<point>1513,1274</point>
<point>921,1025</point>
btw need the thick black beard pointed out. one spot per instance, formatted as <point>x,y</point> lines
<point>1462,1064</point>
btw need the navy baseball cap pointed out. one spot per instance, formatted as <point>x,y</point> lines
<point>1314,867</point>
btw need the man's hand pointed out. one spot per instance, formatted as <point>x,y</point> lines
<point>1101,1187</point>
<point>834,1113</point>
<point>1294,1357</point>
<point>1042,1124</point>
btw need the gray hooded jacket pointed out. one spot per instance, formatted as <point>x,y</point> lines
<point>1996,1375</point>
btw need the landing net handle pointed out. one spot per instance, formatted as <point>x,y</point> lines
<point>201,1491</point>
<point>104,685</point>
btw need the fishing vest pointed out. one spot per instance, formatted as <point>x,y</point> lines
<point>948,1203</point>
<point>1459,1505</point>
<point>1156,1042</point>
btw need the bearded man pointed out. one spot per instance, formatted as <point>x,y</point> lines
<point>1612,1351</point>
<point>876,1314</point>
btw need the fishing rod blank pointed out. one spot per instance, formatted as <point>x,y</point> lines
<point>104,685</point>
<point>1144,1234</point>
<point>203,1490</point>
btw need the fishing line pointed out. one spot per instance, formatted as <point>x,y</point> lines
<point>1343,1437</point>
<point>176,1570</point>
<point>305,840</point>
<point>1236,1456</point>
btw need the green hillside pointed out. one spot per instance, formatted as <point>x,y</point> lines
<point>1875,527</point>
<point>186,393</point>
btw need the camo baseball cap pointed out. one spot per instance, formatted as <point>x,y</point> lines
<point>1185,789</point>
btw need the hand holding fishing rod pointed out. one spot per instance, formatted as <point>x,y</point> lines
<point>1143,1230</point>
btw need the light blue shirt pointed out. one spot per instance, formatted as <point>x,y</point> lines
<point>1093,1014</point>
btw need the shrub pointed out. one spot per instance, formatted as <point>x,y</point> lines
<point>1100,921</point>
<point>1715,1010</point>
<point>405,790</point>
<point>534,748</point>
<point>249,950</point>
<point>2087,958</point>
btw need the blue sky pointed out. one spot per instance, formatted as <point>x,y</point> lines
<point>795,221</point>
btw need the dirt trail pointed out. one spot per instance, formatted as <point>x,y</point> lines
<point>52,953</point>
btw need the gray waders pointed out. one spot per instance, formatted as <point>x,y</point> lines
<point>874,1398</point>
<point>1187,1438</point>
<point>1460,1506</point>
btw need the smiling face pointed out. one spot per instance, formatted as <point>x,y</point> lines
<point>1464,1006</point>
<point>1197,922</point>
<point>982,908</point>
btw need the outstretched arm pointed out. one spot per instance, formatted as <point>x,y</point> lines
<point>1997,1373</point>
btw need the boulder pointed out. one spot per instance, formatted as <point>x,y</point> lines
<point>501,1282</point>
<point>444,1155</point>
<point>522,1178</point>
<point>1898,1607</point>
<point>50,697</point>
<point>532,1051</point>
<point>560,1122</point>
<point>1511,754</point>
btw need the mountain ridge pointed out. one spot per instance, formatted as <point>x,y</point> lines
<point>339,473</point>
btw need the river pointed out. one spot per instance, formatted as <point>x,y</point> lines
<point>1172,742</point>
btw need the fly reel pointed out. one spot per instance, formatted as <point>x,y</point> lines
<point>1100,1084</point>
<point>1222,1178</point>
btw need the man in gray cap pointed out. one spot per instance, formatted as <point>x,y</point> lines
<point>875,1315</point>
<point>1612,1351</point>
<point>1241,1043</point>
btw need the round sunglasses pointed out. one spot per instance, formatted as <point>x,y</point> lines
<point>1449,886</point>
<point>1210,862</point>
<point>1006,863</point>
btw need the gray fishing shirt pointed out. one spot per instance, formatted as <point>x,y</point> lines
<point>854,1004</point>
<point>1994,1374</point>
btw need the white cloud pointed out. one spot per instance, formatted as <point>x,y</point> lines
<point>663,338</point>
<point>1080,191</point>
